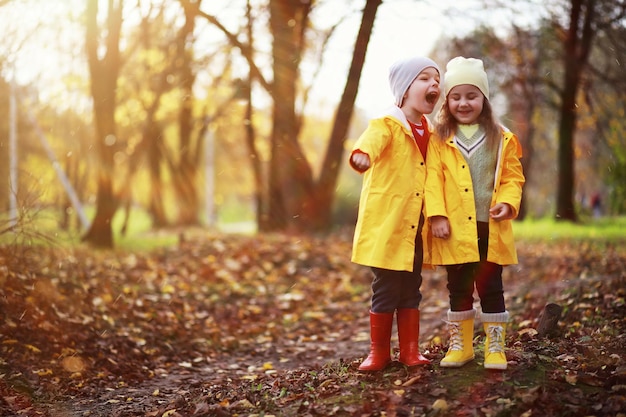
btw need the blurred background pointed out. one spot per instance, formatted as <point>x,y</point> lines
<point>237,115</point>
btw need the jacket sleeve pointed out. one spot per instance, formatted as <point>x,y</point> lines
<point>372,141</point>
<point>434,196</point>
<point>512,177</point>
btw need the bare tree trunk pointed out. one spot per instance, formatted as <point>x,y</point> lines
<point>260,197</point>
<point>325,190</point>
<point>186,177</point>
<point>6,149</point>
<point>577,45</point>
<point>290,177</point>
<point>104,73</point>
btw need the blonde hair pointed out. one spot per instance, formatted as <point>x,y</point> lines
<point>446,124</point>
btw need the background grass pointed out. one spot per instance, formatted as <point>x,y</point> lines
<point>603,229</point>
<point>41,227</point>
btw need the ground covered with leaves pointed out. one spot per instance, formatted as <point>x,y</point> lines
<point>277,325</point>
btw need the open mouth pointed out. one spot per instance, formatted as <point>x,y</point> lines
<point>432,97</point>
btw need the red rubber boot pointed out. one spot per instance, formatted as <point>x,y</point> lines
<point>408,336</point>
<point>380,346</point>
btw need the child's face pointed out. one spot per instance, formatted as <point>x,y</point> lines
<point>465,102</point>
<point>423,92</point>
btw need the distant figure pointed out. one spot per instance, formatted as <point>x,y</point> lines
<point>473,191</point>
<point>391,154</point>
<point>596,205</point>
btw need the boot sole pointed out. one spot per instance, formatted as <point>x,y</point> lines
<point>454,364</point>
<point>374,368</point>
<point>496,367</point>
<point>426,362</point>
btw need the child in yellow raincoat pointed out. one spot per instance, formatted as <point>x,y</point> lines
<point>473,191</point>
<point>391,154</point>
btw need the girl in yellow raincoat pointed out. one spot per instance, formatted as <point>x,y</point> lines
<point>391,154</point>
<point>473,191</point>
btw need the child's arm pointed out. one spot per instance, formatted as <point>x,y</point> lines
<point>370,145</point>
<point>434,194</point>
<point>511,182</point>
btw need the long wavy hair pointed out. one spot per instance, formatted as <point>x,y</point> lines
<point>446,125</point>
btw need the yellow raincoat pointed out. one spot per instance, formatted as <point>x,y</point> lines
<point>449,193</point>
<point>392,195</point>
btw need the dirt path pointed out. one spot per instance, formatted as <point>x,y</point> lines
<point>204,330</point>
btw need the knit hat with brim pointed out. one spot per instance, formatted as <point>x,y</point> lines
<point>403,72</point>
<point>461,70</point>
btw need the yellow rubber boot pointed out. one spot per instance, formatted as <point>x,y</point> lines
<point>495,329</point>
<point>461,349</point>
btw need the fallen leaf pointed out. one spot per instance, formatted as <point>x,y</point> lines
<point>440,405</point>
<point>411,381</point>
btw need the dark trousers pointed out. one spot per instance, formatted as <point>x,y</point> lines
<point>399,289</point>
<point>485,276</point>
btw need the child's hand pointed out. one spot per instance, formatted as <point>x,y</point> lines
<point>501,211</point>
<point>361,161</point>
<point>440,227</point>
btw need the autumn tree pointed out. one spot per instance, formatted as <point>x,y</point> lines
<point>512,63</point>
<point>185,170</point>
<point>161,116</point>
<point>325,192</point>
<point>551,73</point>
<point>160,77</point>
<point>4,145</point>
<point>4,133</point>
<point>294,198</point>
<point>147,85</point>
<point>586,18</point>
<point>607,102</point>
<point>577,38</point>
<point>103,56</point>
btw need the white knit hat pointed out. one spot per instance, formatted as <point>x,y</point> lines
<point>461,70</point>
<point>403,72</point>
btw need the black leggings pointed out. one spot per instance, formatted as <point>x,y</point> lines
<point>486,276</point>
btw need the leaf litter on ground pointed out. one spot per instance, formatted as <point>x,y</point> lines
<point>277,325</point>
